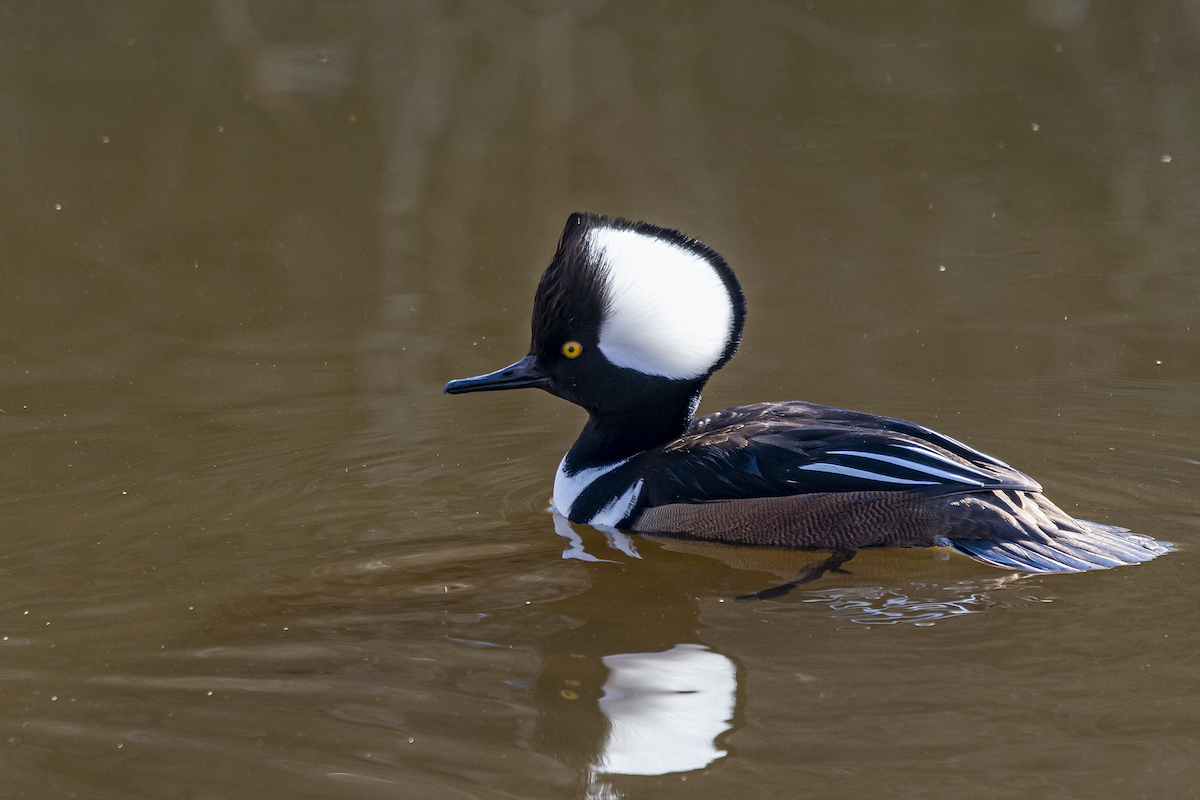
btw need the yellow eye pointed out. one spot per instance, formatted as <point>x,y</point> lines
<point>572,349</point>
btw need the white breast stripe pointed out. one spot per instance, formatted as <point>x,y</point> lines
<point>913,465</point>
<point>851,472</point>
<point>619,508</point>
<point>567,487</point>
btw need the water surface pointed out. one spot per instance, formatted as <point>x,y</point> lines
<point>249,549</point>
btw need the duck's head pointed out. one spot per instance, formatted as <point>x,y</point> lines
<point>627,316</point>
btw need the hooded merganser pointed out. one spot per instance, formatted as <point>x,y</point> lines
<point>630,320</point>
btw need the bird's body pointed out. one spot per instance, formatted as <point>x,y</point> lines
<point>630,321</point>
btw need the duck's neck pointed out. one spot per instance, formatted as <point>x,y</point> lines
<point>609,437</point>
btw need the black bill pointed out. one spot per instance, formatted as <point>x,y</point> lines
<point>523,374</point>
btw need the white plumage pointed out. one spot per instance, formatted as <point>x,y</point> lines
<point>669,314</point>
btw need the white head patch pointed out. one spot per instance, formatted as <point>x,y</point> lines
<point>669,311</point>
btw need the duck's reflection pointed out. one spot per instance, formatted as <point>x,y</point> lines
<point>665,710</point>
<point>667,707</point>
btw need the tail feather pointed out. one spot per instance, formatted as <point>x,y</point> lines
<point>1052,541</point>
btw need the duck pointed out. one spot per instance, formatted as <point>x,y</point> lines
<point>630,320</point>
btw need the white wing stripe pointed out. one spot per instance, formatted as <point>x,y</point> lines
<point>956,442</point>
<point>915,466</point>
<point>937,456</point>
<point>851,472</point>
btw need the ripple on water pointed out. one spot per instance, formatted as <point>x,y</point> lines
<point>918,604</point>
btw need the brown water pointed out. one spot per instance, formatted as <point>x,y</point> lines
<point>248,549</point>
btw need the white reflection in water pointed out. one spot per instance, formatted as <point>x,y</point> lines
<point>665,710</point>
<point>616,540</point>
<point>574,548</point>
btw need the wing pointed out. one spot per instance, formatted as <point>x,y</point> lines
<point>782,449</point>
